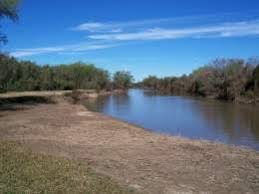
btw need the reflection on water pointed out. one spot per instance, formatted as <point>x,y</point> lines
<point>186,116</point>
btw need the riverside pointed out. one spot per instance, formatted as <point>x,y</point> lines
<point>195,118</point>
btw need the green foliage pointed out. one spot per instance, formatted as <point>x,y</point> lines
<point>27,76</point>
<point>151,82</point>
<point>122,79</point>
<point>256,79</point>
<point>226,79</point>
<point>8,9</point>
<point>256,73</point>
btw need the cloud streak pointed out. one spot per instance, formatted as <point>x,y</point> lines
<point>115,27</point>
<point>81,47</point>
<point>92,27</point>
<point>105,35</point>
<point>234,29</point>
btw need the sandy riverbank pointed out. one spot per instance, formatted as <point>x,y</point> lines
<point>145,161</point>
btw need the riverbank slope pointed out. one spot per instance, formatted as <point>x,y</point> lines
<point>145,161</point>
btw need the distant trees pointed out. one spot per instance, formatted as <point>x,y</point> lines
<point>122,79</point>
<point>255,80</point>
<point>25,75</point>
<point>152,82</point>
<point>8,9</point>
<point>229,79</point>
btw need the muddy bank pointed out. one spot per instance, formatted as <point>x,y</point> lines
<point>147,162</point>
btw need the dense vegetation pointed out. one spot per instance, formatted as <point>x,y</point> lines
<point>122,79</point>
<point>228,79</point>
<point>8,9</point>
<point>27,76</point>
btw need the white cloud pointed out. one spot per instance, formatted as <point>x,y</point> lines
<point>221,30</point>
<point>98,27</point>
<point>115,27</point>
<point>129,26</point>
<point>23,53</point>
<point>91,27</point>
<point>111,34</point>
<point>92,47</point>
<point>81,47</point>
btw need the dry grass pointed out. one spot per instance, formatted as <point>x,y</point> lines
<point>22,171</point>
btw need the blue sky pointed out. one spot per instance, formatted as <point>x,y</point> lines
<point>169,37</point>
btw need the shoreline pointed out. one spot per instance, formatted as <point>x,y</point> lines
<point>146,161</point>
<point>239,100</point>
<point>173,136</point>
<point>92,94</point>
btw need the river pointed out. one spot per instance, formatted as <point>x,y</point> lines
<point>195,118</point>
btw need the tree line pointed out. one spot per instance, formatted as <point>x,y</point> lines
<point>28,76</point>
<point>8,9</point>
<point>228,79</point>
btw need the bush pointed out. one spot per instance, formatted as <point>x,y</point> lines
<point>25,75</point>
<point>226,79</point>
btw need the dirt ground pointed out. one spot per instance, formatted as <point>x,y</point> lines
<point>145,161</point>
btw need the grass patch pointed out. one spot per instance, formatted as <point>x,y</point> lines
<point>22,171</point>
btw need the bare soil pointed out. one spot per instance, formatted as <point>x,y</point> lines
<point>145,161</point>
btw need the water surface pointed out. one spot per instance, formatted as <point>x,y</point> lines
<point>195,118</point>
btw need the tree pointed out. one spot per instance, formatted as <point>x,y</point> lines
<point>7,67</point>
<point>228,79</point>
<point>151,82</point>
<point>256,80</point>
<point>46,78</point>
<point>122,80</point>
<point>8,9</point>
<point>25,75</point>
